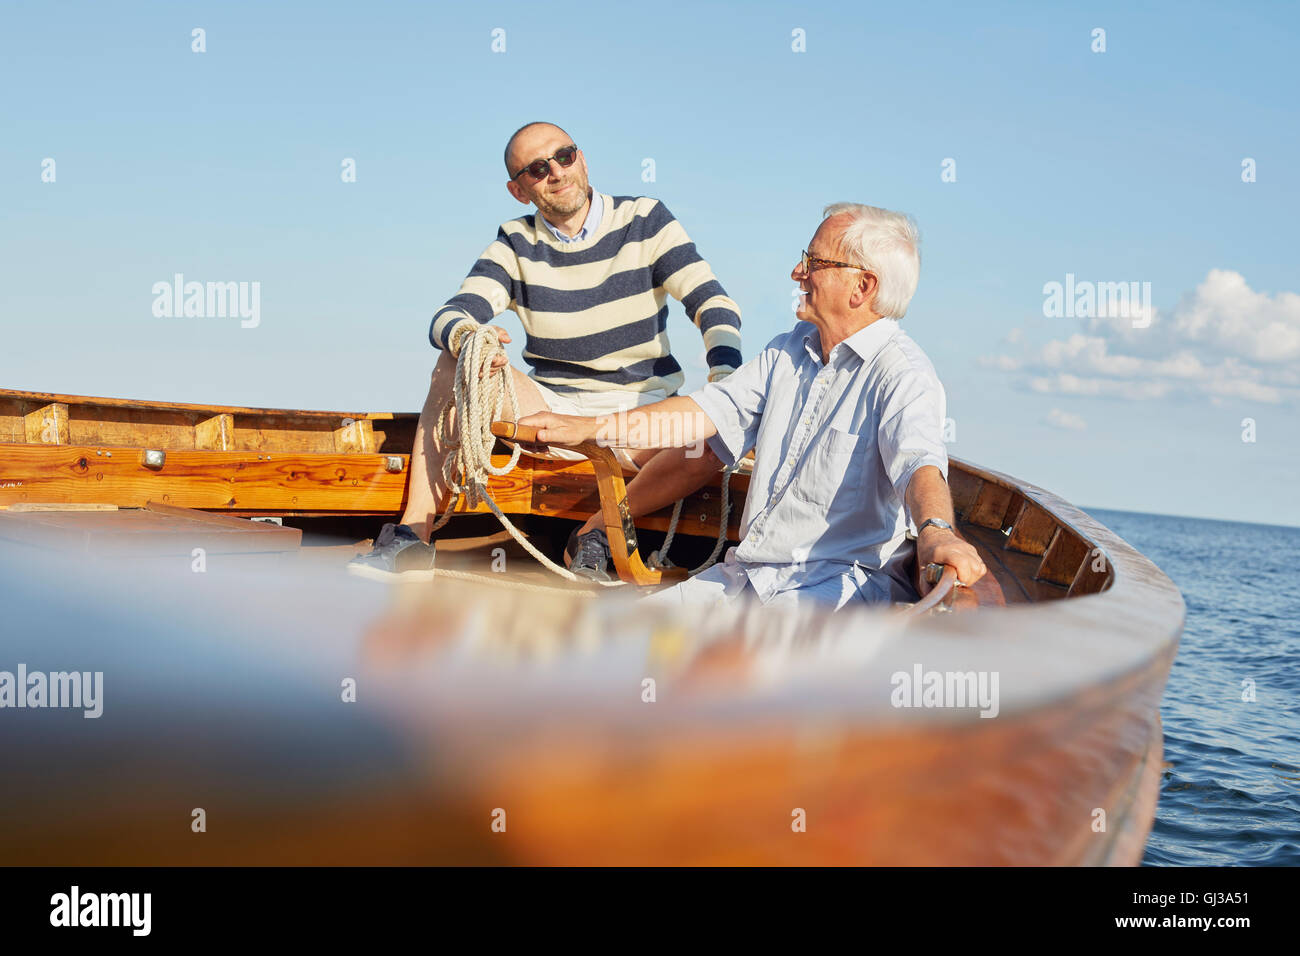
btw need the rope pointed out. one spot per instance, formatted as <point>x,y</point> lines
<point>480,398</point>
<point>659,559</point>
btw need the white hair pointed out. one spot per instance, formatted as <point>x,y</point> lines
<point>886,244</point>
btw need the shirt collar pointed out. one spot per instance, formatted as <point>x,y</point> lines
<point>866,341</point>
<point>589,225</point>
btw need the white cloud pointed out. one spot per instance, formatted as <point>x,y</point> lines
<point>1227,314</point>
<point>1251,391</point>
<point>1064,420</point>
<point>1066,384</point>
<point>1224,341</point>
<point>1003,363</point>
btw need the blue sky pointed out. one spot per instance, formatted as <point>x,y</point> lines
<point>1115,166</point>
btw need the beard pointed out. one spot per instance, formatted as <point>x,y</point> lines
<point>559,207</point>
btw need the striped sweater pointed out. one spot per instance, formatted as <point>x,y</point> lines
<point>595,311</point>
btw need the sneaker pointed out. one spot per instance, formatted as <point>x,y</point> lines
<point>397,552</point>
<point>587,555</point>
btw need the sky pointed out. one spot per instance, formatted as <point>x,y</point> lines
<point>1031,149</point>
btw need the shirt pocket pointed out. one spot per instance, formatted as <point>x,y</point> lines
<point>831,477</point>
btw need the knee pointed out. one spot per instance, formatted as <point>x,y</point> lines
<point>444,374</point>
<point>446,363</point>
<point>705,461</point>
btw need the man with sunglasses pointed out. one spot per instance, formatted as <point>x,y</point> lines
<point>845,416</point>
<point>588,275</point>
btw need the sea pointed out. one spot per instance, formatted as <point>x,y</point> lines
<point>1230,791</point>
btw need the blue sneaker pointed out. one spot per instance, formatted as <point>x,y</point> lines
<point>587,555</point>
<point>398,553</point>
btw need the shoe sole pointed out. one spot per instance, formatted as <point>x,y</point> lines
<point>390,577</point>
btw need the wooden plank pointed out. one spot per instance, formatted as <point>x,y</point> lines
<point>229,480</point>
<point>355,436</point>
<point>216,433</point>
<point>965,487</point>
<point>245,481</point>
<point>292,537</point>
<point>394,437</point>
<point>990,506</point>
<point>146,532</point>
<point>1032,531</point>
<point>207,410</point>
<point>1014,506</point>
<point>170,425</point>
<point>27,507</point>
<point>1093,574</point>
<point>131,427</point>
<point>13,412</point>
<point>286,434</point>
<point>1012,571</point>
<point>47,425</point>
<point>1062,558</point>
<point>28,529</point>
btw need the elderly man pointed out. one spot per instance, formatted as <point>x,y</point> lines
<point>845,415</point>
<point>588,275</point>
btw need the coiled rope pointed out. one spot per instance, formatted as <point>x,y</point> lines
<point>480,397</point>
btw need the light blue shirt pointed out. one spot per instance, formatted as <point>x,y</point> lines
<point>589,225</point>
<point>835,445</point>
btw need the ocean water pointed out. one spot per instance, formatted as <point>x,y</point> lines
<point>1230,793</point>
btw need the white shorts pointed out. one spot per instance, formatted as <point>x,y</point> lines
<point>589,404</point>
<point>727,581</point>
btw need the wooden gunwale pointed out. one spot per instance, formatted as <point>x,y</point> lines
<point>207,411</point>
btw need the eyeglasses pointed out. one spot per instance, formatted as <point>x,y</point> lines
<point>809,263</point>
<point>539,169</point>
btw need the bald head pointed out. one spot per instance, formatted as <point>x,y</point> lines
<point>521,138</point>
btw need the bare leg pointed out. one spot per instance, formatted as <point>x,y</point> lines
<point>426,493</point>
<point>665,476</point>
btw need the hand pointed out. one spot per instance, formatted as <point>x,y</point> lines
<point>561,429</point>
<point>500,361</point>
<point>941,546</point>
<point>467,328</point>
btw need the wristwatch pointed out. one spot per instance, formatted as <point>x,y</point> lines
<point>937,522</point>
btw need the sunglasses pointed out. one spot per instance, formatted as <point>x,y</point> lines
<point>539,169</point>
<point>809,263</point>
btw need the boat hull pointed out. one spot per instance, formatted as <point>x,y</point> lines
<point>499,721</point>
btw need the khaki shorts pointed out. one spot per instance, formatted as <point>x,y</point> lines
<point>589,404</point>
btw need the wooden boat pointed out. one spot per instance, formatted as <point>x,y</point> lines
<point>509,692</point>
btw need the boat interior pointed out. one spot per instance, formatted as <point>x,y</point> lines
<point>136,471</point>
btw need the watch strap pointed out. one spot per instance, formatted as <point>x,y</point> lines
<point>937,522</point>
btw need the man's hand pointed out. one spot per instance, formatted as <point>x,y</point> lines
<point>562,429</point>
<point>941,546</point>
<point>500,361</point>
<point>458,342</point>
